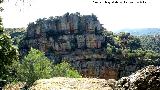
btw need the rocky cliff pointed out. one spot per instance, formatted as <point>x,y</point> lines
<point>79,40</point>
<point>71,34</point>
<point>74,37</point>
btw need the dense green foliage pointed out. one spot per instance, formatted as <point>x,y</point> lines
<point>64,69</point>
<point>36,66</point>
<point>8,55</point>
<point>124,46</point>
<point>150,42</point>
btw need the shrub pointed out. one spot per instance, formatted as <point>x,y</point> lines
<point>37,66</point>
<point>64,69</point>
<point>34,66</point>
<point>8,55</point>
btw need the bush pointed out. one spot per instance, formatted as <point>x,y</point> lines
<point>8,55</point>
<point>64,69</point>
<point>37,66</point>
<point>34,66</point>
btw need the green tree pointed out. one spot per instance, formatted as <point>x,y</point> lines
<point>64,69</point>
<point>34,66</point>
<point>150,42</point>
<point>128,41</point>
<point>8,54</point>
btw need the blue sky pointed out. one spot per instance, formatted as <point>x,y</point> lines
<point>113,16</point>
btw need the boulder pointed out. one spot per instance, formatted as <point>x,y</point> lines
<point>147,78</point>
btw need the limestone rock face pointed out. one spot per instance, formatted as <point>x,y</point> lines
<point>73,37</point>
<point>65,33</point>
<point>79,40</point>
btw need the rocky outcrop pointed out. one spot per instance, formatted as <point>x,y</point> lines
<point>67,36</point>
<point>59,83</point>
<point>73,37</point>
<point>147,78</point>
<point>79,40</point>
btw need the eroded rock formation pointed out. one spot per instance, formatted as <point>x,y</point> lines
<point>74,37</point>
<point>78,39</point>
